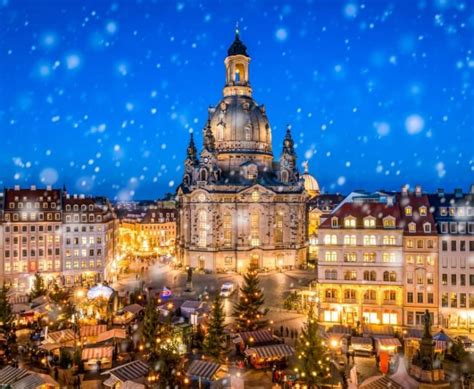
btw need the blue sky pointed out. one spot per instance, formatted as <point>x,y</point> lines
<point>101,96</point>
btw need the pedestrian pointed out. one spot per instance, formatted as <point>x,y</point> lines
<point>287,332</point>
<point>281,330</point>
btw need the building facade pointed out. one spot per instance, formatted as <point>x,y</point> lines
<point>454,216</point>
<point>32,238</point>
<point>420,256</point>
<point>89,239</point>
<point>360,268</point>
<point>238,207</point>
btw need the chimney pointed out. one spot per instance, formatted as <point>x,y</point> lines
<point>33,187</point>
<point>440,192</point>
<point>75,196</point>
<point>17,187</point>
<point>390,201</point>
<point>418,191</point>
<point>458,193</point>
<point>48,187</point>
<point>81,196</point>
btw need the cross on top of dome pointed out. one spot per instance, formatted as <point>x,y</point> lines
<point>237,47</point>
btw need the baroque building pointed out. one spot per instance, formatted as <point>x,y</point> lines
<point>238,207</point>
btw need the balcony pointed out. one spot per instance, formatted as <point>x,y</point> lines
<point>389,302</point>
<point>350,301</point>
<point>370,301</point>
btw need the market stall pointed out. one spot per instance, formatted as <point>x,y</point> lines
<point>203,372</point>
<point>361,345</point>
<point>97,357</point>
<point>388,345</point>
<point>253,338</point>
<point>266,356</point>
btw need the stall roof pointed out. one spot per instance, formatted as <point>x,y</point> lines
<point>377,330</point>
<point>379,382</point>
<point>360,340</point>
<point>129,372</point>
<point>62,336</point>
<point>256,337</point>
<point>116,333</point>
<point>97,352</point>
<point>272,351</point>
<point>441,335</point>
<point>30,381</point>
<point>203,369</point>
<point>389,342</point>
<point>338,329</point>
<point>133,308</point>
<point>89,331</point>
<point>9,375</point>
<point>413,333</point>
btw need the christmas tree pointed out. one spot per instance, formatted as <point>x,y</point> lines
<point>313,358</point>
<point>150,322</point>
<point>167,360</point>
<point>39,289</point>
<point>248,311</point>
<point>214,343</point>
<point>6,314</point>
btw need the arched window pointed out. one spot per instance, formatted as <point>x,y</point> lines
<point>254,229</point>
<point>227,229</point>
<point>220,132</point>
<point>330,293</point>
<point>386,276</point>
<point>202,227</point>
<point>203,175</point>
<point>373,276</point>
<point>239,74</point>
<point>186,180</point>
<point>279,227</point>
<point>370,295</point>
<point>284,176</point>
<point>349,294</point>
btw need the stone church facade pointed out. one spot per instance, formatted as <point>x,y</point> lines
<point>240,209</point>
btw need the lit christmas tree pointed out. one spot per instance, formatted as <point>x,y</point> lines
<point>150,322</point>
<point>248,311</point>
<point>313,361</point>
<point>214,342</point>
<point>6,314</point>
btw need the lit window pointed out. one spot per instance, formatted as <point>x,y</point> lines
<point>349,222</point>
<point>369,222</point>
<point>412,227</point>
<point>423,211</point>
<point>408,211</point>
<point>330,256</point>
<point>254,229</point>
<point>202,225</point>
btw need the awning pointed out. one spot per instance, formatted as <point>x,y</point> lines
<point>97,353</point>
<point>50,346</point>
<point>389,342</point>
<point>133,308</point>
<point>256,337</point>
<point>90,331</point>
<point>379,382</point>
<point>116,333</point>
<point>10,375</point>
<point>30,381</point>
<point>62,336</point>
<point>357,340</point>
<point>441,336</point>
<point>203,369</point>
<point>377,330</point>
<point>413,333</point>
<point>129,372</point>
<point>272,351</point>
<point>440,346</point>
<point>338,329</point>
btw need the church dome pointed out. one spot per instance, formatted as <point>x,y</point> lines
<point>239,124</point>
<point>310,184</point>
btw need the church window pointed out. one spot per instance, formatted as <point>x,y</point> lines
<point>284,176</point>
<point>255,196</point>
<point>202,226</point>
<point>279,228</point>
<point>248,134</point>
<point>220,132</point>
<point>203,175</point>
<point>227,229</point>
<point>254,229</point>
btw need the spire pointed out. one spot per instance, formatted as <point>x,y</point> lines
<point>288,143</point>
<point>209,140</point>
<point>237,47</point>
<point>191,151</point>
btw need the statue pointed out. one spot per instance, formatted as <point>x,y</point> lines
<point>427,324</point>
<point>190,274</point>
<point>189,279</point>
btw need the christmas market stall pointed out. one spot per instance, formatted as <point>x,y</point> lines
<point>361,345</point>
<point>96,358</point>
<point>133,372</point>
<point>387,345</point>
<point>203,372</point>
<point>412,339</point>
<point>253,338</point>
<point>90,333</point>
<point>266,356</point>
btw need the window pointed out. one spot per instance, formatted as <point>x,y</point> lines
<point>409,277</point>
<point>444,279</point>
<point>350,275</point>
<point>444,245</point>
<point>389,222</point>
<point>453,227</point>
<point>350,240</point>
<point>423,211</point>
<point>389,240</point>
<point>412,227</point>
<point>330,239</point>
<point>419,244</point>
<point>334,222</point>
<point>419,297</point>
<point>369,240</point>
<point>370,295</point>
<point>330,274</point>
<point>410,259</point>
<point>453,279</point>
<point>444,299</point>
<point>409,243</point>
<point>350,257</point>
<point>390,295</point>
<point>462,280</point>
<point>330,256</point>
<point>410,297</point>
<point>420,278</point>
<point>429,244</point>
<point>443,211</point>
<point>349,222</point>
<point>471,279</point>
<point>330,294</point>
<point>279,228</point>
<point>429,278</point>
<point>408,211</point>
<point>427,228</point>
<point>462,245</point>
<point>202,226</point>
<point>388,257</point>
<point>254,229</point>
<point>369,257</point>
<point>369,222</point>
<point>444,228</point>
<point>462,300</point>
<point>454,300</point>
<point>453,245</point>
<point>228,230</point>
<point>370,275</point>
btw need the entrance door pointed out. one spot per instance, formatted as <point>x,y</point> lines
<point>201,263</point>
<point>254,262</point>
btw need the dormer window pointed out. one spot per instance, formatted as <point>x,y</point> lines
<point>349,222</point>
<point>334,222</point>
<point>408,211</point>
<point>427,227</point>
<point>369,222</point>
<point>423,211</point>
<point>443,211</point>
<point>252,172</point>
<point>389,222</point>
<point>412,227</point>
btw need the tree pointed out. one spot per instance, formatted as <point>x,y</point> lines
<point>150,322</point>
<point>166,354</point>
<point>214,342</point>
<point>6,313</point>
<point>457,350</point>
<point>248,310</point>
<point>58,295</point>
<point>313,363</point>
<point>38,289</point>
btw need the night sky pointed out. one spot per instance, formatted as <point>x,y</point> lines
<point>101,96</point>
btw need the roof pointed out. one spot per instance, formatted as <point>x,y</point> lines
<point>116,333</point>
<point>271,351</point>
<point>191,304</point>
<point>415,201</point>
<point>203,369</point>
<point>97,352</point>
<point>9,375</point>
<point>237,47</point>
<point>360,340</point>
<point>377,330</point>
<point>62,336</point>
<point>379,382</point>
<point>133,308</point>
<point>310,183</point>
<point>130,371</point>
<point>361,210</point>
<point>389,342</point>
<point>339,329</point>
<point>256,337</point>
<point>31,381</point>
<point>87,331</point>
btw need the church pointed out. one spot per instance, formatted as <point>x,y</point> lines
<point>239,208</point>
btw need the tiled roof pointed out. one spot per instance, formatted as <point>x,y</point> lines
<point>130,371</point>
<point>203,369</point>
